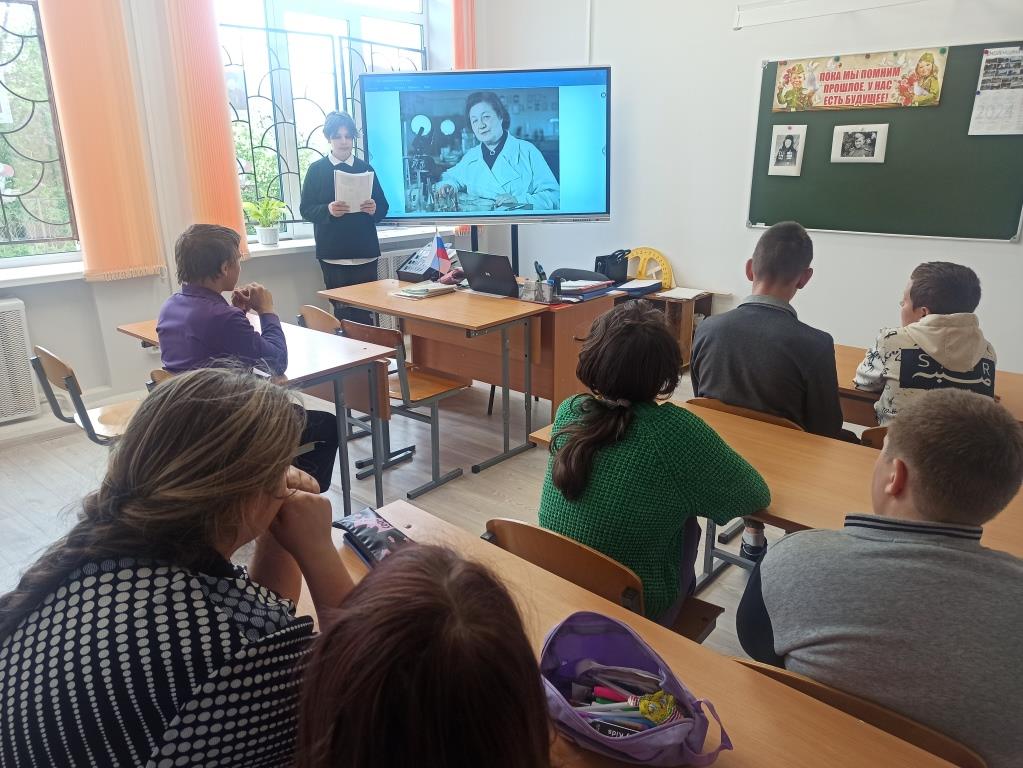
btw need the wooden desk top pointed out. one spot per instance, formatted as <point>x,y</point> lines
<point>460,309</point>
<point>1008,385</point>
<point>144,331</point>
<point>311,354</point>
<point>769,723</point>
<point>816,481</point>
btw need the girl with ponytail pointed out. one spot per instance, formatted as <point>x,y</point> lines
<point>133,640</point>
<point>626,474</point>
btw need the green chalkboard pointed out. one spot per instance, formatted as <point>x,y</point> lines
<point>936,181</point>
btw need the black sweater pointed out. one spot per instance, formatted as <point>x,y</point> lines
<point>760,356</point>
<point>352,236</point>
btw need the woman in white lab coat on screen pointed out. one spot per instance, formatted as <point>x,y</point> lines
<point>510,172</point>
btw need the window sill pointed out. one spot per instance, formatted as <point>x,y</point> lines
<point>11,277</point>
<point>391,239</point>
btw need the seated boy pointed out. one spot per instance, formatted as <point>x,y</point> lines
<point>940,343</point>
<point>197,328</point>
<point>760,356</point>
<point>905,607</point>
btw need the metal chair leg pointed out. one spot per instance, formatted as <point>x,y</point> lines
<point>437,479</point>
<point>362,422</point>
<point>391,458</point>
<point>490,405</point>
<point>731,531</point>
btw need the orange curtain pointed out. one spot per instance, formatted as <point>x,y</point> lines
<point>206,125</point>
<point>90,69</point>
<point>465,34</point>
<point>465,49</point>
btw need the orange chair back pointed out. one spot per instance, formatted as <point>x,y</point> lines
<point>567,558</point>
<point>873,714</point>
<point>748,413</point>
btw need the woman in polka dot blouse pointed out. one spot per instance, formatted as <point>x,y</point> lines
<point>133,641</point>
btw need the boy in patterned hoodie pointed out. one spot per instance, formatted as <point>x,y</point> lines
<point>939,345</point>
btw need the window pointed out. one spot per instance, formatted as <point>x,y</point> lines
<point>35,205</point>
<point>287,63</point>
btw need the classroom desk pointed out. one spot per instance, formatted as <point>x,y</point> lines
<point>316,358</point>
<point>858,405</point>
<point>770,724</point>
<point>466,334</point>
<point>816,481</point>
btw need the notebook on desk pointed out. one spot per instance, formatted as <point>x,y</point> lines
<point>423,290</point>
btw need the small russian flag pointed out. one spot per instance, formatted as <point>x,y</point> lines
<point>441,260</point>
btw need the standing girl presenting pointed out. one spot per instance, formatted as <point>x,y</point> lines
<point>346,241</point>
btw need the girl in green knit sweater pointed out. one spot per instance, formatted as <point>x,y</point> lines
<point>626,474</point>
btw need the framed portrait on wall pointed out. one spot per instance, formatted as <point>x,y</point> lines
<point>788,143</point>
<point>859,143</point>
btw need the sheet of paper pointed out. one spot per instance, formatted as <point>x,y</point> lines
<point>998,102</point>
<point>681,293</point>
<point>353,188</point>
<point>579,285</point>
<point>637,285</point>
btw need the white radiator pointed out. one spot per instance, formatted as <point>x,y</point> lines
<point>18,398</point>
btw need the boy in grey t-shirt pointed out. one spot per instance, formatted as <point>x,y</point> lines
<point>906,607</point>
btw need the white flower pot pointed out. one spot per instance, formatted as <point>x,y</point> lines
<point>268,235</point>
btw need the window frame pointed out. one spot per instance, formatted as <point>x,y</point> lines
<point>53,257</point>
<point>345,87</point>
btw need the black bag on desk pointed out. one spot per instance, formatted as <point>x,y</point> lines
<point>614,265</point>
<point>372,537</point>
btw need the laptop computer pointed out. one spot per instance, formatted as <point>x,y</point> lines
<point>489,273</point>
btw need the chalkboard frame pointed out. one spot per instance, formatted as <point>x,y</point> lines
<point>996,183</point>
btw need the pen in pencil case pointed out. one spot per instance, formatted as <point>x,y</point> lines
<point>632,723</point>
<point>620,679</point>
<point>658,707</point>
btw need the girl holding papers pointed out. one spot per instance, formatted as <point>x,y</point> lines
<point>346,238</point>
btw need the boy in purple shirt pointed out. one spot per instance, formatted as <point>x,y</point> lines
<point>197,328</point>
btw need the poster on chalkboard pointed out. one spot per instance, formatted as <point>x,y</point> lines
<point>910,78</point>
<point>998,102</point>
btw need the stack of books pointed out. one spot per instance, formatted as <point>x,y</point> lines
<point>423,290</point>
<point>580,287</point>
<point>640,287</point>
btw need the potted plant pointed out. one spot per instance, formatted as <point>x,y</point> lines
<point>265,213</point>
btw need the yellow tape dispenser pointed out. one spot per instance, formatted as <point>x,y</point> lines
<point>645,256</point>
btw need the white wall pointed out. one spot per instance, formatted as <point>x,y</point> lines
<point>672,60</point>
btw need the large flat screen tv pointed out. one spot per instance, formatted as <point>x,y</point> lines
<point>484,146</point>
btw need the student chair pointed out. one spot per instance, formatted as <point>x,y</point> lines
<point>414,387</point>
<point>594,571</point>
<point>318,320</point>
<point>101,424</point>
<point>876,715</point>
<point>357,396</point>
<point>874,437</point>
<point>158,376</point>
<point>748,413</point>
